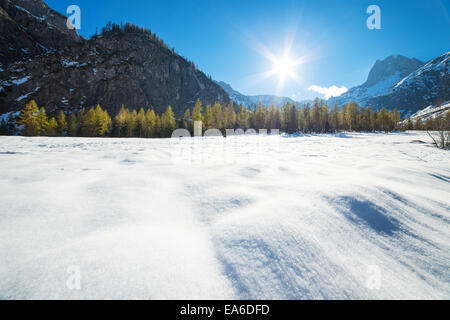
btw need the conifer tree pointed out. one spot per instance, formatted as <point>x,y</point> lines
<point>52,128</point>
<point>187,120</point>
<point>42,120</point>
<point>88,124</point>
<point>168,122</point>
<point>28,119</point>
<point>131,123</point>
<point>62,123</point>
<point>73,125</point>
<point>150,128</point>
<point>158,131</point>
<point>230,116</point>
<point>207,118</point>
<point>103,122</point>
<point>217,117</point>
<point>197,112</point>
<point>384,120</point>
<point>119,122</point>
<point>334,118</point>
<point>243,119</point>
<point>140,123</point>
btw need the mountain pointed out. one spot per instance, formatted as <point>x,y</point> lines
<point>428,85</point>
<point>29,29</point>
<point>403,83</point>
<point>383,76</point>
<point>124,65</point>
<point>250,101</point>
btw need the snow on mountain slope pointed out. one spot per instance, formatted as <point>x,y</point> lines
<point>432,112</point>
<point>419,77</point>
<point>322,216</point>
<point>382,78</point>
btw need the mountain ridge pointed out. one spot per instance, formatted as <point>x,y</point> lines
<point>253,100</point>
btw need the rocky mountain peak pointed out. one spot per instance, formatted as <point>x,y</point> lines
<point>391,66</point>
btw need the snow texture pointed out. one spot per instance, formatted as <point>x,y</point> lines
<point>362,216</point>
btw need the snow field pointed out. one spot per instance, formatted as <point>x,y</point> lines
<point>361,216</point>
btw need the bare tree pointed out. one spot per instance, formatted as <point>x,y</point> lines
<point>441,135</point>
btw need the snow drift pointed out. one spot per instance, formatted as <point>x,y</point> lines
<point>361,216</point>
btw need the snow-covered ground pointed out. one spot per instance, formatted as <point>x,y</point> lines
<point>308,217</point>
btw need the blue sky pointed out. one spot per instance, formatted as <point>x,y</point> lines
<point>230,39</point>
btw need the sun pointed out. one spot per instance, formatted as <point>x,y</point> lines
<point>284,67</point>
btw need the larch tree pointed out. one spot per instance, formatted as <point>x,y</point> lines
<point>28,119</point>
<point>168,122</point>
<point>52,128</point>
<point>62,123</point>
<point>42,120</point>
<point>73,125</point>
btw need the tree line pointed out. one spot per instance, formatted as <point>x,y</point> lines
<point>310,118</point>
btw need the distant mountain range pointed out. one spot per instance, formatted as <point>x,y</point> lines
<point>250,101</point>
<point>403,83</point>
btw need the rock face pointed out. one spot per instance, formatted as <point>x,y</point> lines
<point>29,28</point>
<point>131,68</point>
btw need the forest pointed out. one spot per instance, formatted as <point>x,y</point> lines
<point>145,123</point>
